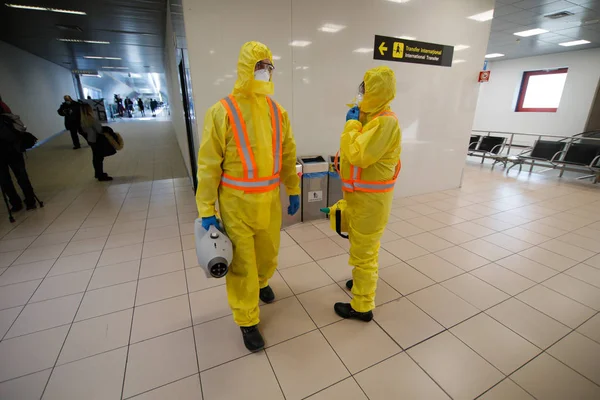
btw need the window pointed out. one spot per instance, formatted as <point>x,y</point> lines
<point>92,92</point>
<point>541,90</point>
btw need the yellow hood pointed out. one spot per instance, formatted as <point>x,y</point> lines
<point>250,54</point>
<point>380,90</point>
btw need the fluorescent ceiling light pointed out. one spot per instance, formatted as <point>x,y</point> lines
<point>276,58</point>
<point>121,67</point>
<point>112,58</point>
<point>300,43</point>
<point>460,47</point>
<point>331,28</point>
<point>92,75</point>
<point>136,75</point>
<point>102,58</point>
<point>82,41</point>
<point>531,32</point>
<point>362,50</point>
<point>96,41</point>
<point>407,37</point>
<point>38,8</point>
<point>458,61</point>
<point>398,1</point>
<point>482,17</point>
<point>494,55</point>
<point>574,43</point>
<point>108,67</point>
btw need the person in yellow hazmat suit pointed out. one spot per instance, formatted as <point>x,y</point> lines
<point>370,162</point>
<point>247,150</point>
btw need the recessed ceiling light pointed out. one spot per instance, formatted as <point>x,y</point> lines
<point>574,43</point>
<point>135,75</point>
<point>482,17</point>
<point>531,32</point>
<point>112,58</point>
<point>331,28</point>
<point>300,43</point>
<point>458,61</point>
<point>96,41</point>
<point>398,1</point>
<point>407,37</point>
<point>460,47</point>
<point>102,58</point>
<point>362,50</point>
<point>82,41</point>
<point>121,67</point>
<point>108,67</point>
<point>91,75</point>
<point>276,58</point>
<point>494,55</point>
<point>38,8</point>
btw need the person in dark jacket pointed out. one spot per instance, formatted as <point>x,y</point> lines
<point>71,111</point>
<point>153,106</point>
<point>141,107</point>
<point>11,158</point>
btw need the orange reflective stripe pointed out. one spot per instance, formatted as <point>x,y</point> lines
<point>276,125</point>
<point>234,126</point>
<point>245,132</point>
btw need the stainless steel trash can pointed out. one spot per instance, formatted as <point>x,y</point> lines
<point>289,220</point>
<point>334,191</point>
<point>314,187</point>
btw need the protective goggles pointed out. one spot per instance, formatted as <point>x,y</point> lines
<point>263,65</point>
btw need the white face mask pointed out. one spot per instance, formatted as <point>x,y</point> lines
<point>262,75</point>
<point>359,98</point>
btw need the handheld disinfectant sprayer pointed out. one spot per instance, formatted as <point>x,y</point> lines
<point>213,249</point>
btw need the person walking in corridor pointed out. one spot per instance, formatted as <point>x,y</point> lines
<point>140,103</point>
<point>153,106</point>
<point>93,129</point>
<point>370,163</point>
<point>71,111</point>
<point>247,149</point>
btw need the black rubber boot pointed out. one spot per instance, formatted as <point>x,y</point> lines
<point>252,338</point>
<point>105,178</point>
<point>266,294</point>
<point>345,310</point>
<point>349,284</point>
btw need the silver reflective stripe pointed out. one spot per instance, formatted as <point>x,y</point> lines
<point>277,150</point>
<point>348,186</point>
<point>245,146</point>
<point>354,172</point>
<point>375,186</point>
<point>249,184</point>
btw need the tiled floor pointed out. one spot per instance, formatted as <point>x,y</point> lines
<point>490,291</point>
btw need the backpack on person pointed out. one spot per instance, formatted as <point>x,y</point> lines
<point>24,139</point>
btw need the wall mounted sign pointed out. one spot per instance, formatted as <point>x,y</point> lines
<point>484,76</point>
<point>410,51</point>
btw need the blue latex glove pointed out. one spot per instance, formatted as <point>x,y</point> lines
<point>294,204</point>
<point>353,113</point>
<point>210,221</point>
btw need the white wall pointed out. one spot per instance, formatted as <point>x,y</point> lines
<point>497,99</point>
<point>435,105</point>
<point>34,88</point>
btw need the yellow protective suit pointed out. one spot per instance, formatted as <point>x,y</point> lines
<point>372,144</point>
<point>252,220</point>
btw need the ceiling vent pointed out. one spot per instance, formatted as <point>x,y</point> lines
<point>560,14</point>
<point>72,28</point>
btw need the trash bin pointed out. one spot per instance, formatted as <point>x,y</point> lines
<point>289,220</point>
<point>314,187</point>
<point>334,192</point>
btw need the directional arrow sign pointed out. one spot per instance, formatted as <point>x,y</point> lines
<point>411,51</point>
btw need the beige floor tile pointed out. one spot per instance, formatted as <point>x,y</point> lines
<point>475,291</point>
<point>75,263</point>
<point>389,236</point>
<point>114,274</point>
<point>447,219</point>
<point>474,229</point>
<point>96,335</point>
<point>184,389</point>
<point>161,264</point>
<point>462,258</point>
<point>404,278</point>
<point>435,267</point>
<point>48,239</point>
<point>527,268</point>
<point>124,239</point>
<point>544,229</point>
<point>305,233</point>
<point>292,256</point>
<point>209,304</point>
<point>575,289</point>
<point>404,229</point>
<point>160,222</point>
<point>590,244</point>
<point>158,361</point>
<point>280,287</point>
<point>305,277</point>
<point>161,287</point>
<point>92,233</point>
<point>25,272</point>
<point>444,306</point>
<point>457,368</point>
<point>406,323</point>
<point>591,328</point>
<point>100,376</point>
<point>337,267</point>
<point>404,249</point>
<point>528,322</point>
<point>493,224</point>
<point>7,317</point>
<point>580,353</point>
<point>386,259</point>
<point>453,235</point>
<point>218,342</point>
<point>319,303</point>
<point>25,388</point>
<point>38,254</point>
<point>347,335</point>
<point>594,261</point>
<point>422,209</point>
<point>557,306</point>
<point>165,232</point>
<point>197,279</point>
<point>17,294</point>
<point>404,213</point>
<point>547,378</point>
<point>322,248</point>
<point>486,250</point>
<point>286,240</point>
<point>500,346</point>
<point>526,235</point>
<point>161,317</point>
<point>162,246</point>
<point>44,315</point>
<point>254,380</point>
<point>84,246</point>
<point>128,226</point>
<point>62,285</point>
<point>188,242</point>
<point>16,244</point>
<point>301,373</point>
<point>398,378</point>
<point>426,223</point>
<point>347,389</point>
<point>567,250</point>
<point>585,273</point>
<point>343,243</point>
<point>30,353</point>
<point>107,300</point>
<point>430,242</point>
<point>503,279</point>
<point>120,255</point>
<point>506,389</point>
<point>507,242</point>
<point>548,258</point>
<point>284,320</point>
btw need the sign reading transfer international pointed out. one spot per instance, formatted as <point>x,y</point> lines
<point>410,51</point>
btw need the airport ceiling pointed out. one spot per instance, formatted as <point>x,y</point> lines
<point>135,30</point>
<point>581,21</point>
